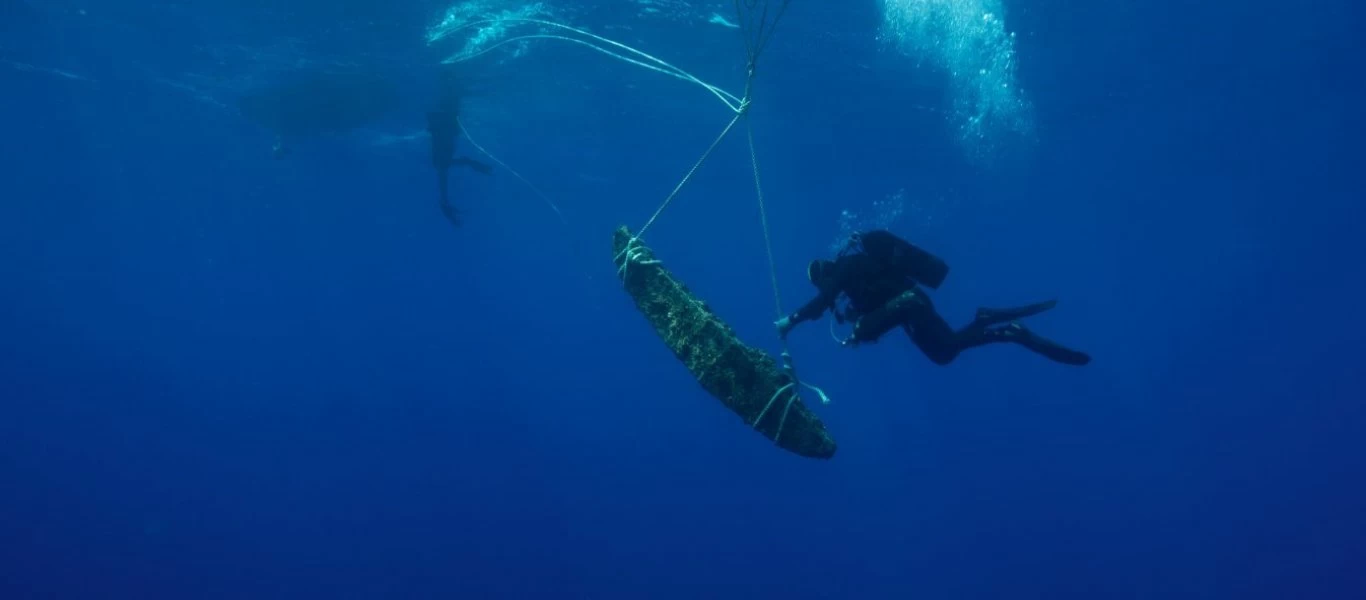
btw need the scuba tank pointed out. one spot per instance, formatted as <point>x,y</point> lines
<point>914,262</point>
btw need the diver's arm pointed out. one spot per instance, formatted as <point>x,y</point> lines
<point>812,310</point>
<point>815,307</point>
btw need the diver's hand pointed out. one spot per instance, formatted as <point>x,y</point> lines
<point>784,325</point>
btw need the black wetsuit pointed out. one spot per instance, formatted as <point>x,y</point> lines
<point>880,282</point>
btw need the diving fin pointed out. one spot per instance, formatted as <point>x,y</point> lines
<point>1050,349</point>
<point>451,213</point>
<point>996,316</point>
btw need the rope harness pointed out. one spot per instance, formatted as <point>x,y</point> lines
<point>756,40</point>
<point>757,29</point>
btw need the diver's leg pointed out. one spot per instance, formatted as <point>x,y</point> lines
<point>931,333</point>
<point>941,344</point>
<point>473,164</point>
<point>442,181</point>
<point>996,316</point>
<point>913,312</point>
<point>451,213</point>
<point>895,312</point>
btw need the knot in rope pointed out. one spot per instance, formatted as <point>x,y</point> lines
<point>790,393</point>
<point>743,109</point>
<point>790,368</point>
<point>795,383</point>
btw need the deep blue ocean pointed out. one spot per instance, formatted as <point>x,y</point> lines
<point>226,374</point>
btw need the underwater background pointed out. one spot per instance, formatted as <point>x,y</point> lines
<point>226,374</point>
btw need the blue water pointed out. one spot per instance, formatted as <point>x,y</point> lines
<point>225,375</point>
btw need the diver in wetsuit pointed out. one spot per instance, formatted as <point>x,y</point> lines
<point>880,274</point>
<point>443,124</point>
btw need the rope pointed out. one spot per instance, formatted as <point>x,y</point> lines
<point>754,48</point>
<point>563,219</point>
<point>763,219</point>
<point>691,172</point>
<point>764,32</point>
<point>514,172</point>
<point>757,35</point>
<point>788,365</point>
<point>729,99</point>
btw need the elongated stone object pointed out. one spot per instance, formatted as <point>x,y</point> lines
<point>744,379</point>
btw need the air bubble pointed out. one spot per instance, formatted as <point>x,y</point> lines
<point>962,37</point>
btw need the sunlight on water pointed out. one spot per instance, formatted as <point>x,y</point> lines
<point>482,24</point>
<point>673,9</point>
<point>969,41</point>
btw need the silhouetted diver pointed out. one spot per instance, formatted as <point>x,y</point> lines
<point>443,124</point>
<point>879,273</point>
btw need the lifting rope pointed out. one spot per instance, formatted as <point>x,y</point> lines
<point>756,40</point>
<point>728,98</point>
<point>514,172</point>
<point>757,29</point>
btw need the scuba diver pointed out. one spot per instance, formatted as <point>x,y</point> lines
<point>443,124</point>
<point>880,274</point>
